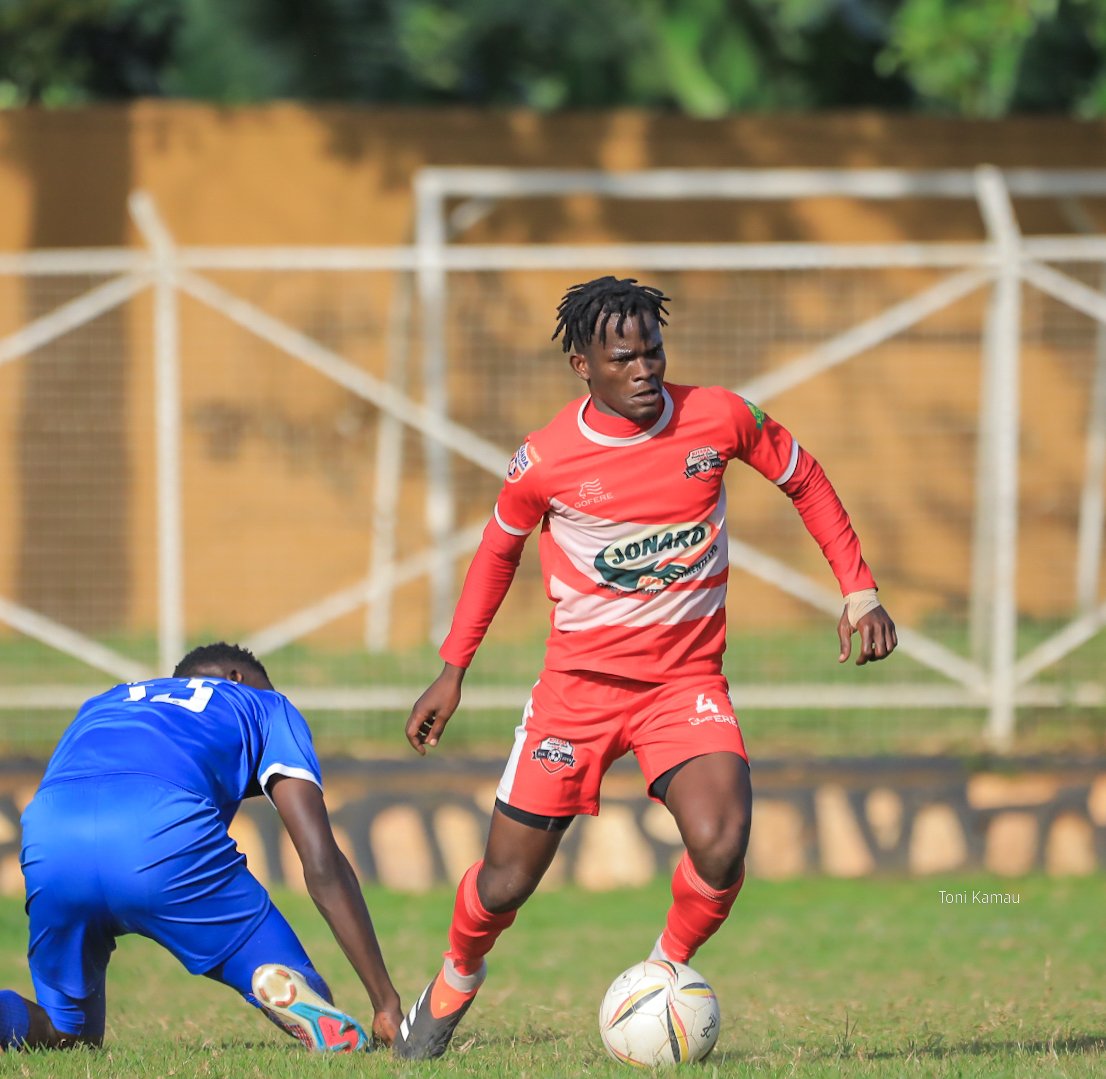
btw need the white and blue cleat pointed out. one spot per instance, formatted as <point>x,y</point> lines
<point>294,1006</point>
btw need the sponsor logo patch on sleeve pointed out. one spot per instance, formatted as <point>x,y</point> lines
<point>525,457</point>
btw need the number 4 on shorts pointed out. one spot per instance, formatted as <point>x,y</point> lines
<point>705,704</point>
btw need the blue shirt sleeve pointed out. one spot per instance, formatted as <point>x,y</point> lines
<point>288,749</point>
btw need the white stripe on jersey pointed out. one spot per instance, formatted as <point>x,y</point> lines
<point>581,536</point>
<point>288,770</point>
<point>791,463</point>
<point>507,782</point>
<point>593,435</point>
<point>577,610</point>
<point>510,529</point>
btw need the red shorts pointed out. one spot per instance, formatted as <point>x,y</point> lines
<point>576,724</point>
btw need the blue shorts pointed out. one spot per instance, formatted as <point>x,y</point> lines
<point>132,854</point>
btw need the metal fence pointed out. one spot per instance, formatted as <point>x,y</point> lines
<point>300,446</point>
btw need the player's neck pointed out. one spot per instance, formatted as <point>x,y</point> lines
<point>611,424</point>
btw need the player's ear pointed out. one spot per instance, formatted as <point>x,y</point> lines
<point>579,364</point>
<point>234,674</point>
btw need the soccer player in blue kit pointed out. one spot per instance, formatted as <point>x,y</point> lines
<point>127,833</point>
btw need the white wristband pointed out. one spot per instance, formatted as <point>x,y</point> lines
<point>858,604</point>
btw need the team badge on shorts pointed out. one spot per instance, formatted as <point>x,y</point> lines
<point>702,462</point>
<point>555,754</point>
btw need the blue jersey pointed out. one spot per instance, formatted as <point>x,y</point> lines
<point>218,739</point>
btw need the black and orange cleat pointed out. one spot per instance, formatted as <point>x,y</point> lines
<point>426,1031</point>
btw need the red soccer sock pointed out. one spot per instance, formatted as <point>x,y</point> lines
<point>696,913</point>
<point>473,930</point>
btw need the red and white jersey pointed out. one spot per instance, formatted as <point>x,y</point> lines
<point>633,532</point>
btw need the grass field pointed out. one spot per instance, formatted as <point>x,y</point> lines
<point>815,978</point>
<point>779,657</point>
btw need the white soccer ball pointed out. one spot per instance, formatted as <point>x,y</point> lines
<point>659,1013</point>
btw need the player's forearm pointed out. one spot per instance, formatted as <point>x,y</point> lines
<point>339,899</point>
<point>486,585</point>
<point>826,520</point>
<point>452,675</point>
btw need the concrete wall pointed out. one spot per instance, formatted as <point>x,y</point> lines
<point>278,462</point>
<point>411,825</point>
<point>292,174</point>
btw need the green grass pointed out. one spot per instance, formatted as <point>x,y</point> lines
<point>778,657</point>
<point>815,977</point>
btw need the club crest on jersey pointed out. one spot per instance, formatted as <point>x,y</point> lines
<point>702,462</point>
<point>524,457</point>
<point>651,560</point>
<point>555,754</point>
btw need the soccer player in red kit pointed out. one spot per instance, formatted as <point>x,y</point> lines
<point>626,484</point>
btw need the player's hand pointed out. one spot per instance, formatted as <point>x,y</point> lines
<point>433,709</point>
<point>386,1025</point>
<point>877,636</point>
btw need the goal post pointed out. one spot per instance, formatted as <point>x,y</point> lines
<point>954,387</point>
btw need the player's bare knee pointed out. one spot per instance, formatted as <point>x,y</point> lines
<point>42,1034</point>
<point>717,849</point>
<point>49,1037</point>
<point>504,890</point>
<point>724,833</point>
<point>719,869</point>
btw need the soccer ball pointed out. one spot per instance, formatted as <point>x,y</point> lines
<point>658,1013</point>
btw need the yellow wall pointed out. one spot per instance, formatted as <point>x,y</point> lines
<point>297,175</point>
<point>278,462</point>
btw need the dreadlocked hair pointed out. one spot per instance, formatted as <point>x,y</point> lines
<point>215,655</point>
<point>581,306</point>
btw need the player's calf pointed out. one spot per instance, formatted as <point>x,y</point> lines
<point>286,998</point>
<point>24,1024</point>
<point>15,1020</point>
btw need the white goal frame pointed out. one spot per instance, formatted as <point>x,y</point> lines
<point>993,676</point>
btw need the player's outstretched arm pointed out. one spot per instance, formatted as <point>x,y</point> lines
<point>877,636</point>
<point>333,886</point>
<point>433,709</point>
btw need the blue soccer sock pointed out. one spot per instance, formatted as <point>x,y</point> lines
<point>15,1019</point>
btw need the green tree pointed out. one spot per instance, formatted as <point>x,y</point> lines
<point>61,52</point>
<point>990,56</point>
<point>700,57</point>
